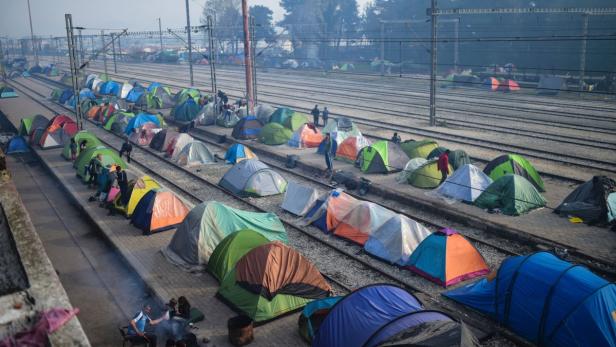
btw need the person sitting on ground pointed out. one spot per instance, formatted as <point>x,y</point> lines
<point>73,147</point>
<point>443,165</point>
<point>127,148</point>
<point>396,139</point>
<point>183,308</point>
<point>138,326</point>
<point>94,169</point>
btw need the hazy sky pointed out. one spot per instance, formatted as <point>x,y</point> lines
<point>136,15</point>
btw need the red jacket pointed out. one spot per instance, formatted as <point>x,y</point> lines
<point>443,163</point>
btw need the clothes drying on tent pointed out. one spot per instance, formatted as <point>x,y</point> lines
<point>253,178</point>
<point>264,112</point>
<point>161,140</point>
<point>144,134</point>
<point>298,199</point>
<point>271,280</point>
<point>186,111</point>
<point>396,239</point>
<point>361,221</point>
<point>465,184</point>
<point>194,154</point>
<point>137,188</point>
<point>158,210</point>
<point>546,300</point>
<point>350,148</point>
<point>426,176</point>
<point>109,157</point>
<point>208,223</point>
<point>295,121</point>
<point>327,214</point>
<point>382,157</point>
<point>17,144</point>
<point>274,134</point>
<point>589,201</point>
<point>238,152</point>
<point>418,149</point>
<point>410,166</point>
<point>366,317</point>
<point>306,136</point>
<point>247,128</point>
<point>83,135</point>
<point>512,194</point>
<point>435,153</point>
<point>446,258</point>
<point>231,249</point>
<point>59,131</point>
<point>313,315</point>
<point>140,119</point>
<point>118,122</point>
<point>177,144</point>
<point>551,85</point>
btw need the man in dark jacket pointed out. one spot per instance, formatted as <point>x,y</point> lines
<point>123,184</point>
<point>127,147</point>
<point>325,115</point>
<point>315,115</point>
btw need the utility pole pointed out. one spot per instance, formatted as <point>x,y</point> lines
<point>91,44</point>
<point>72,55</point>
<point>36,59</point>
<point>104,50</point>
<point>2,73</point>
<point>583,50</point>
<point>254,57</point>
<point>118,37</point>
<point>82,55</point>
<point>400,59</point>
<point>210,30</point>
<point>247,58</point>
<point>382,48</point>
<point>188,30</point>
<point>160,34</point>
<point>433,66</point>
<point>115,66</point>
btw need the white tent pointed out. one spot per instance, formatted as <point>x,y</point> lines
<point>126,88</point>
<point>410,166</point>
<point>466,184</point>
<point>299,199</point>
<point>194,154</point>
<point>178,144</point>
<point>396,239</point>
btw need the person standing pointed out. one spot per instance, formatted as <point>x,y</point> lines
<point>73,147</point>
<point>123,184</point>
<point>127,148</point>
<point>443,165</point>
<point>315,115</point>
<point>328,146</point>
<point>325,115</point>
<point>94,169</point>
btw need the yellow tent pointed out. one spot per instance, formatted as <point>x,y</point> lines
<point>136,190</point>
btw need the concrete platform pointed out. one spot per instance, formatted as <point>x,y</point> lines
<point>143,252</point>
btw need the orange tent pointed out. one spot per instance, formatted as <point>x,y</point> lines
<point>491,83</point>
<point>446,257</point>
<point>364,219</point>
<point>307,136</point>
<point>94,112</point>
<point>350,147</point>
<point>509,86</point>
<point>157,211</point>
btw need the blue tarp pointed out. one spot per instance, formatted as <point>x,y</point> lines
<point>110,88</point>
<point>65,96</point>
<point>360,315</point>
<point>135,94</point>
<point>140,120</point>
<point>546,300</point>
<point>17,144</point>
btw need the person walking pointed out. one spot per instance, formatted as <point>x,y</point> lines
<point>325,115</point>
<point>123,184</point>
<point>73,147</point>
<point>315,115</point>
<point>328,147</point>
<point>443,165</point>
<point>127,148</point>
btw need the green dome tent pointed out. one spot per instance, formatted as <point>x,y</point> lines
<point>382,157</point>
<point>418,149</point>
<point>25,125</point>
<point>512,194</point>
<point>110,157</point>
<point>281,115</point>
<point>118,122</point>
<point>514,164</point>
<point>274,134</point>
<point>186,93</point>
<point>457,158</point>
<point>427,175</point>
<point>231,249</point>
<point>83,135</point>
<point>296,121</point>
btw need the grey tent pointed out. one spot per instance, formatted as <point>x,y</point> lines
<point>466,184</point>
<point>162,139</point>
<point>298,199</point>
<point>195,153</point>
<point>227,119</point>
<point>344,124</point>
<point>253,178</point>
<point>39,121</point>
<point>589,201</point>
<point>207,115</point>
<point>550,85</point>
<point>264,112</point>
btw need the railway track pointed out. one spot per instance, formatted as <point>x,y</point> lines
<point>364,269</point>
<point>372,127</point>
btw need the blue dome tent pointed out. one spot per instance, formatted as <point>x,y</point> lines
<point>65,96</point>
<point>139,120</point>
<point>546,300</point>
<point>135,94</point>
<point>17,144</point>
